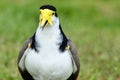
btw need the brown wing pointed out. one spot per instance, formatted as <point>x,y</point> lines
<point>24,47</point>
<point>75,57</point>
<point>24,73</point>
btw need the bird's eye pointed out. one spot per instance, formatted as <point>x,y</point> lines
<point>53,13</point>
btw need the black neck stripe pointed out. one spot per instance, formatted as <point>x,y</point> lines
<point>33,45</point>
<point>64,42</point>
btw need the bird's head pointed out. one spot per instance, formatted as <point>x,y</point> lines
<point>48,15</point>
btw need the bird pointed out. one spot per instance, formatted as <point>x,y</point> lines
<point>48,54</point>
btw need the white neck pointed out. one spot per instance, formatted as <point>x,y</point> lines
<point>50,35</point>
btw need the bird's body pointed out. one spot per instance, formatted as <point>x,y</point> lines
<point>47,68</point>
<point>45,56</point>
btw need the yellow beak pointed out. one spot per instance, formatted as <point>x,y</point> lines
<point>46,17</point>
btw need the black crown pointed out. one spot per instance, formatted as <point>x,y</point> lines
<point>48,7</point>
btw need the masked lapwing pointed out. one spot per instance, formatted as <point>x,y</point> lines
<point>48,54</point>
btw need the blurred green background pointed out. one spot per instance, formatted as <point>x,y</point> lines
<point>93,25</point>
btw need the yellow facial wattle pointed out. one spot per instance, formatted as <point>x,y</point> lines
<point>46,15</point>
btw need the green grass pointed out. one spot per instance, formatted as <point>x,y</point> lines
<point>93,25</point>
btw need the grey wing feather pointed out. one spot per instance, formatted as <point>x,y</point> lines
<point>24,47</point>
<point>24,73</point>
<point>75,57</point>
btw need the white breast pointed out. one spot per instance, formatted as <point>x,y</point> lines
<point>57,66</point>
<point>49,63</point>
